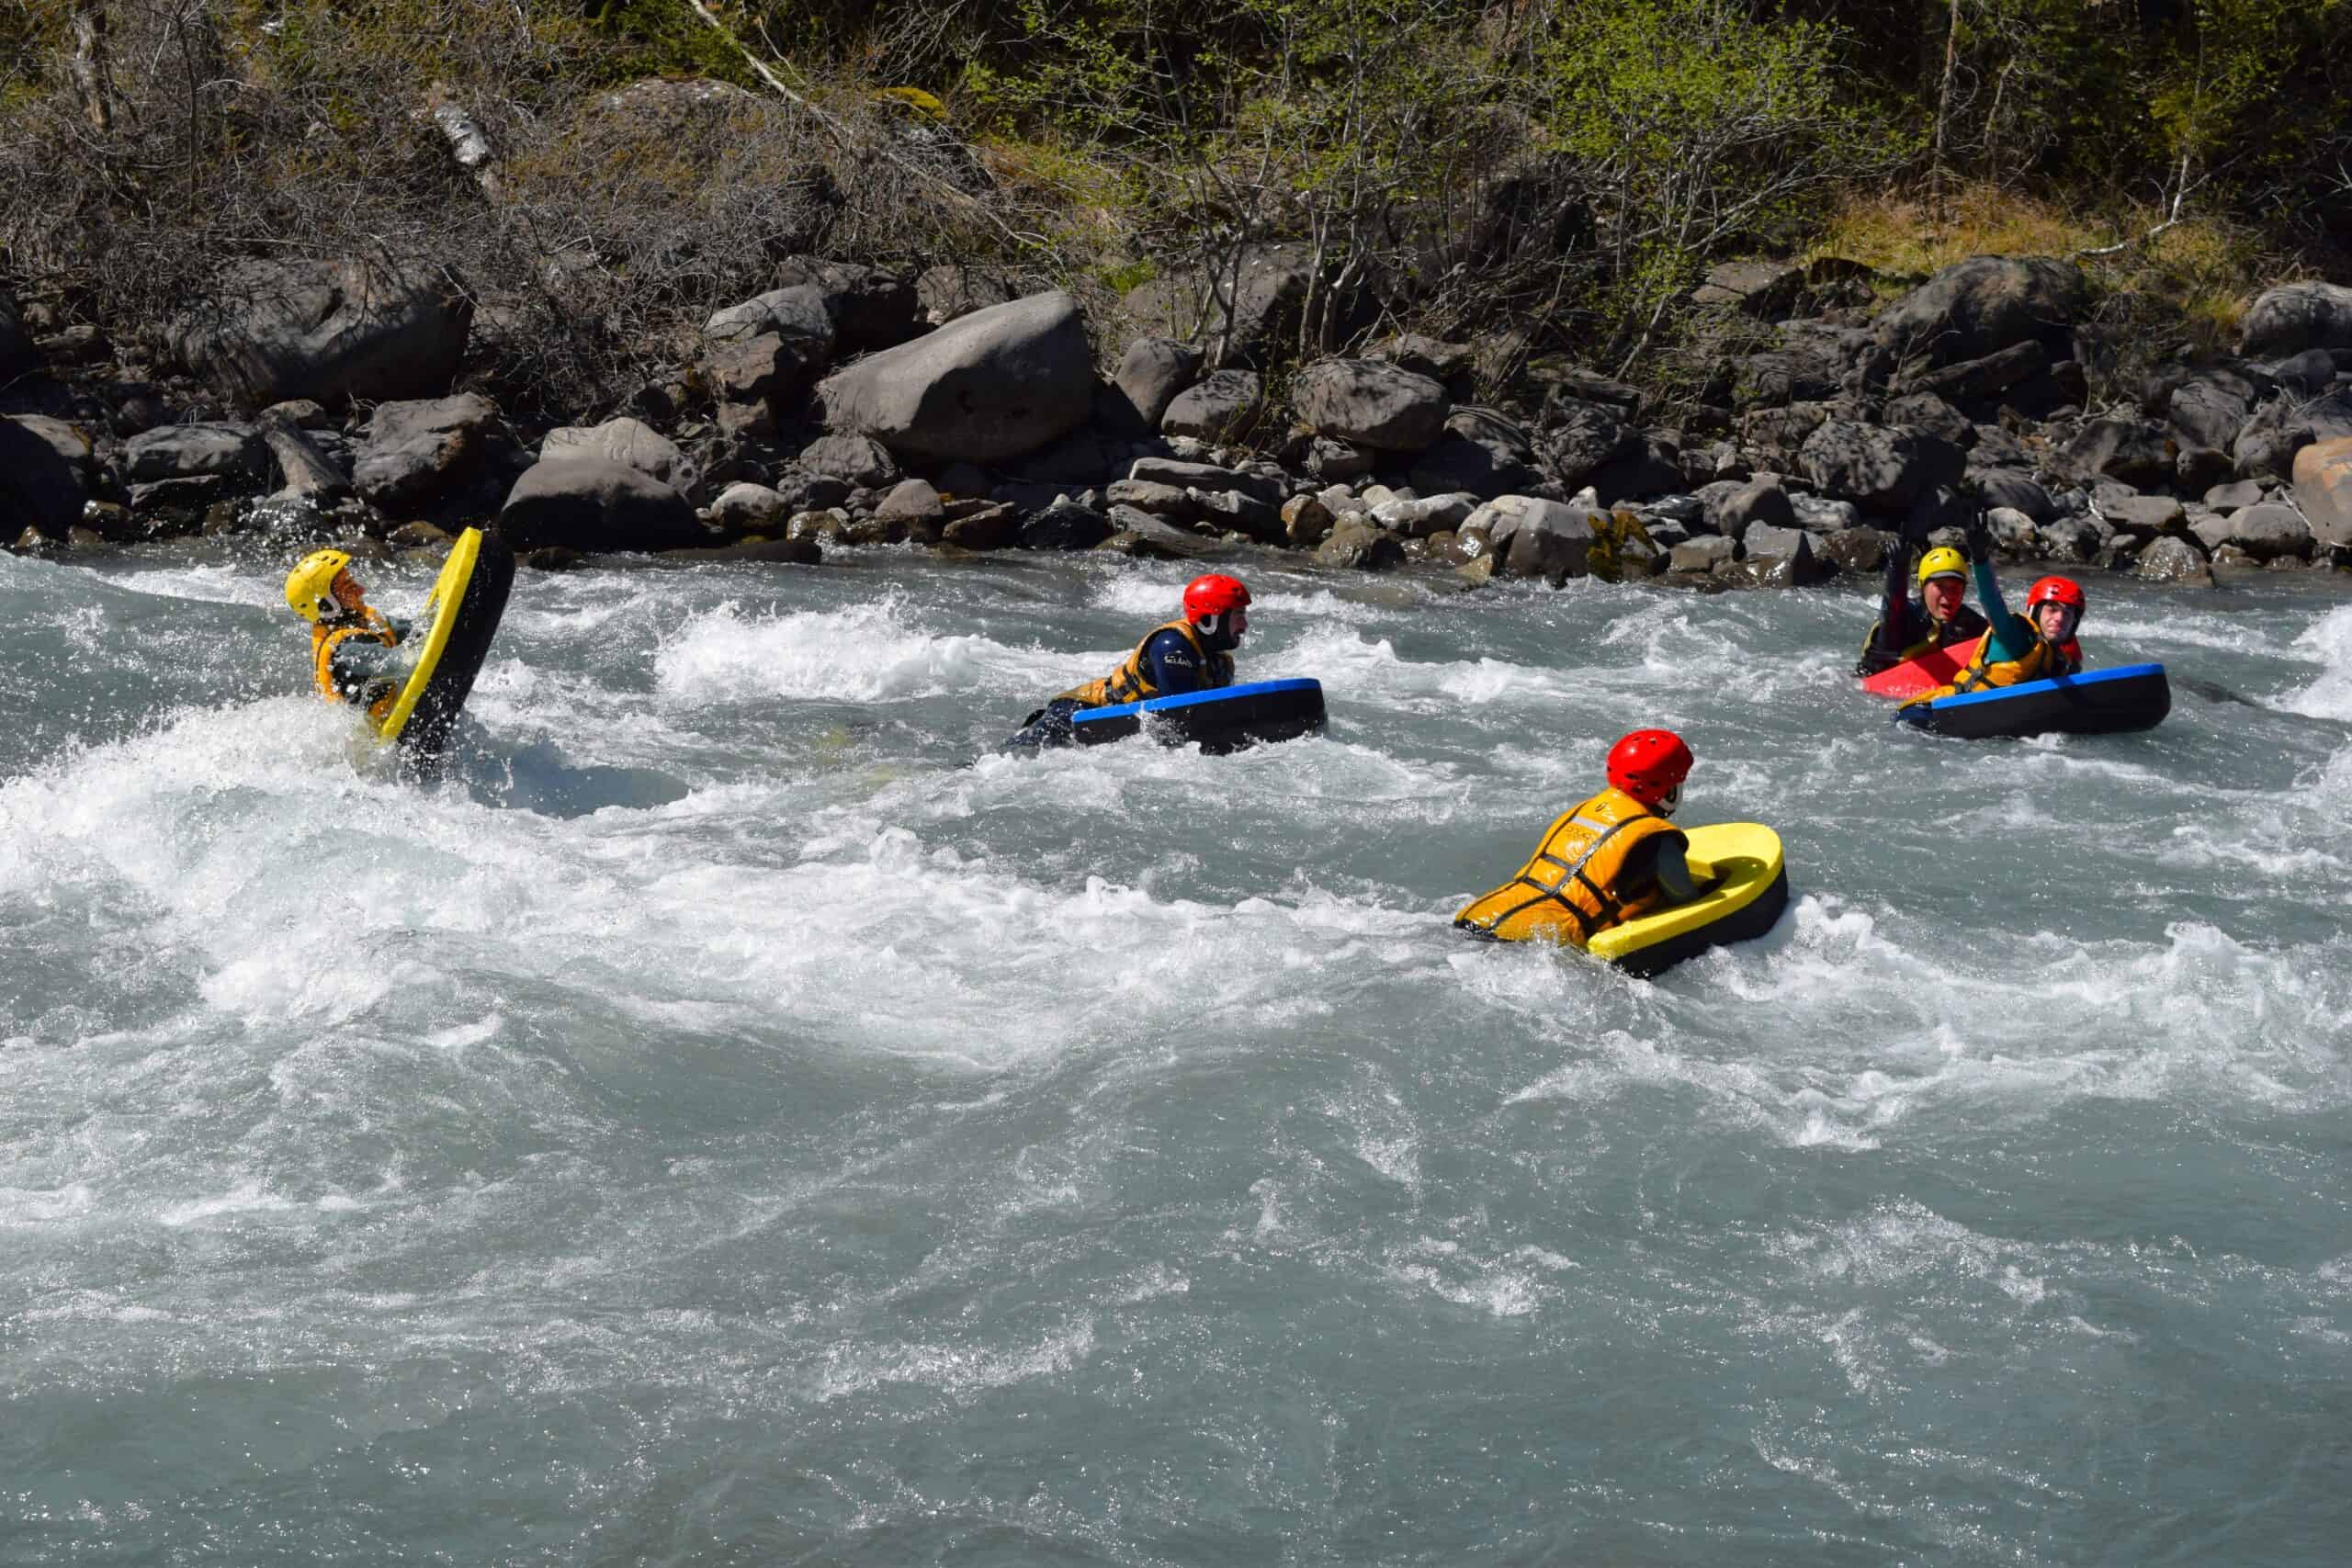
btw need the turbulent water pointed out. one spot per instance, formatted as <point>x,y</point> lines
<point>725,1123</point>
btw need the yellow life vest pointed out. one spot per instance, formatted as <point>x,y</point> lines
<point>1131,682</point>
<point>2040,662</point>
<point>325,640</point>
<point>1568,891</point>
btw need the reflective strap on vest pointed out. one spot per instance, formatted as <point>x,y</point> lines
<point>324,640</point>
<point>1612,908</point>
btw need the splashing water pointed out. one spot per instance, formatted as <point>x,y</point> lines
<point>740,1118</point>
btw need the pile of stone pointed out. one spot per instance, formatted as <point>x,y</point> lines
<point>853,405</point>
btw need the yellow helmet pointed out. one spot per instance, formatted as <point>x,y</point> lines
<point>1942,561</point>
<point>310,587</point>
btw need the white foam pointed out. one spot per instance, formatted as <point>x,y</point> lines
<point>873,652</point>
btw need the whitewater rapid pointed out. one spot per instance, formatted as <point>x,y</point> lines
<point>739,1117</point>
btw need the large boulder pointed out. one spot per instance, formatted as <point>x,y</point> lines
<point>2174,559</point>
<point>770,348</point>
<point>871,308</point>
<point>2297,316</point>
<point>1767,289</point>
<point>627,441</point>
<point>594,504</point>
<point>1481,452</point>
<point>1881,470</point>
<point>2210,407</point>
<point>39,485</point>
<point>2267,531</point>
<point>269,330</point>
<point>990,386</point>
<point>1222,407</point>
<point>859,459</point>
<point>2323,489</point>
<point>1246,308</point>
<point>2125,450</point>
<point>1534,538</point>
<point>1975,380</point>
<point>193,451</point>
<point>17,353</point>
<point>1372,403</point>
<point>1152,371</point>
<point>1978,307</point>
<point>417,452</point>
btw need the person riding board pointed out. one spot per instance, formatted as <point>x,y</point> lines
<point>2016,649</point>
<point>1606,861</point>
<point>1941,617</point>
<point>1193,653</point>
<point>351,641</point>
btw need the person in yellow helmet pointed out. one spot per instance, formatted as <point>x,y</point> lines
<point>351,642</point>
<point>1940,618</point>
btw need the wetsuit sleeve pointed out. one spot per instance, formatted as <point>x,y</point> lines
<point>1674,877</point>
<point>1891,634</point>
<point>2011,637</point>
<point>1172,665</point>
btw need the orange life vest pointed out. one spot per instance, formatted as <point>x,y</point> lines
<point>1131,682</point>
<point>2040,662</point>
<point>325,640</point>
<point>1570,890</point>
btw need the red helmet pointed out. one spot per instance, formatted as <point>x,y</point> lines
<point>2055,591</point>
<point>1649,764</point>
<point>1213,595</point>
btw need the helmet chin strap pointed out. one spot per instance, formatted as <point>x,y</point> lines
<point>1668,801</point>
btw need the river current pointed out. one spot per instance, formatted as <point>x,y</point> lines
<point>736,1119</point>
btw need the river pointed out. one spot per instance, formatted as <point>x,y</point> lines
<point>727,1123</point>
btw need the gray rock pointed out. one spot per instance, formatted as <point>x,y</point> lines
<point>1643,467</point>
<point>991,528</point>
<point>1206,477</point>
<point>629,441</point>
<point>858,459</point>
<point>796,315</point>
<point>1701,555</point>
<point>949,290</point>
<point>993,384</point>
<point>1237,513</point>
<point>2002,488</point>
<point>1782,558</point>
<point>1880,469</point>
<point>2014,533</point>
<point>2137,454</point>
<point>1765,289</point>
<point>187,451</point>
<point>2266,531</point>
<point>1482,453</point>
<point>592,503</point>
<point>2072,541</point>
<point>2199,468</point>
<point>1076,460</point>
<point>1775,437</point>
<point>1064,525</point>
<point>2211,409</point>
<point>1151,373</point>
<point>1978,307</point>
<point>1535,538</point>
<point>1861,550</point>
<point>2174,559</point>
<point>1926,410</point>
<point>1761,501</point>
<point>2231,497</point>
<point>870,306</point>
<point>1817,515</point>
<point>40,489</point>
<point>1306,522</point>
<point>267,331</point>
<point>1978,380</point>
<point>1337,460</point>
<point>913,503</point>
<point>2306,375</point>
<point>1141,535</point>
<point>766,368</point>
<point>747,508</point>
<point>2293,317</point>
<point>1777,540</point>
<point>772,552</point>
<point>1158,499</point>
<point>1372,404</point>
<point>962,480</point>
<point>1222,407</point>
<point>421,451</point>
<point>1361,546</point>
<point>1246,308</point>
<point>306,468</point>
<point>2143,515</point>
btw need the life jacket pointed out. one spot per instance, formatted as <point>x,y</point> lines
<point>1570,890</point>
<point>1965,623</point>
<point>2042,660</point>
<point>324,640</point>
<point>1131,682</point>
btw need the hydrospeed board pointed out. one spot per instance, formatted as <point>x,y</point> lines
<point>467,599</point>
<point>1932,668</point>
<point>2097,702</point>
<point>1223,720</point>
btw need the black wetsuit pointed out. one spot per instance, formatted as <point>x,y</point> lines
<point>1903,623</point>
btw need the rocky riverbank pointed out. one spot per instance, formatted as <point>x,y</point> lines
<point>854,404</point>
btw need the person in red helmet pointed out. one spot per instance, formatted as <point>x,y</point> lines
<point>1191,653</point>
<point>2016,649</point>
<point>1610,859</point>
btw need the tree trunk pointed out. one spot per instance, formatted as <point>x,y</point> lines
<point>92,71</point>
